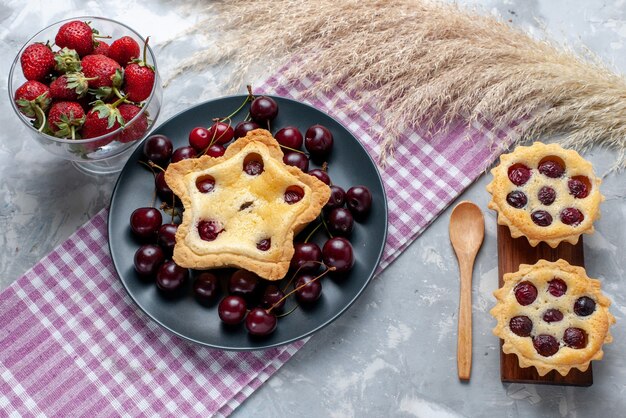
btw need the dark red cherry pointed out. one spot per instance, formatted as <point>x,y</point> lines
<point>167,237</point>
<point>253,164</point>
<point>579,186</point>
<point>264,244</point>
<point>273,296</point>
<point>206,288</point>
<point>199,138</point>
<point>158,149</point>
<point>318,140</point>
<point>525,293</point>
<point>359,201</point>
<point>321,175</point>
<point>232,309</point>
<point>340,222</point>
<point>205,183</point>
<point>243,283</point>
<point>546,195</point>
<point>293,194</point>
<point>307,257</point>
<point>308,289</point>
<point>575,338</point>
<point>336,199</point>
<point>145,222</point>
<point>221,133</point>
<point>244,127</point>
<point>209,230</point>
<point>519,174</point>
<point>263,109</point>
<point>521,325</point>
<point>337,252</point>
<point>584,306</point>
<point>163,190</point>
<point>296,159</point>
<point>571,216</point>
<point>546,345</point>
<point>541,218</point>
<point>171,277</point>
<point>215,150</point>
<point>148,259</point>
<point>552,315</point>
<point>260,323</point>
<point>517,199</point>
<point>557,287</point>
<point>183,153</point>
<point>552,167</point>
<point>290,137</point>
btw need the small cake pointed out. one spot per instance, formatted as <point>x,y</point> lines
<point>243,209</point>
<point>545,193</point>
<point>552,316</point>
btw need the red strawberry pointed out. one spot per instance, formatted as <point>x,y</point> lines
<point>67,61</point>
<point>76,35</point>
<point>136,129</point>
<point>124,50</point>
<point>37,61</point>
<point>70,86</point>
<point>65,118</point>
<point>139,78</point>
<point>103,69</point>
<point>102,48</point>
<point>33,99</point>
<point>102,119</point>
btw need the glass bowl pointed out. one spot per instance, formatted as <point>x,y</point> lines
<point>104,154</point>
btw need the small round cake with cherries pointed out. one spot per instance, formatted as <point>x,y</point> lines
<point>545,193</point>
<point>552,316</point>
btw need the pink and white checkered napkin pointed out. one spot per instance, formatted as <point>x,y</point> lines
<point>73,343</point>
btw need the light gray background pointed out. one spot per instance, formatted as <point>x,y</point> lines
<point>394,352</point>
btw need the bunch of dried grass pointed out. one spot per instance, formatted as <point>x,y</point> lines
<point>426,63</point>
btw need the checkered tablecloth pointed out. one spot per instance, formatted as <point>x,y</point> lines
<point>73,343</point>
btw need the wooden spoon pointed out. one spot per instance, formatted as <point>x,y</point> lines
<point>467,230</point>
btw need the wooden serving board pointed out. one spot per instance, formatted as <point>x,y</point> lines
<point>511,253</point>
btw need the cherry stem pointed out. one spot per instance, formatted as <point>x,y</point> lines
<point>296,273</point>
<point>154,165</point>
<point>287,313</point>
<point>293,149</point>
<point>312,232</point>
<point>326,227</point>
<point>325,167</point>
<point>249,98</point>
<point>331,268</point>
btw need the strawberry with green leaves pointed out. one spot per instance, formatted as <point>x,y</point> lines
<point>133,129</point>
<point>102,69</point>
<point>139,77</point>
<point>102,119</point>
<point>124,50</point>
<point>101,48</point>
<point>65,118</point>
<point>33,99</point>
<point>76,35</point>
<point>37,61</point>
<point>70,86</point>
<point>67,61</point>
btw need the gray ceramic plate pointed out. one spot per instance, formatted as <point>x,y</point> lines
<point>349,165</point>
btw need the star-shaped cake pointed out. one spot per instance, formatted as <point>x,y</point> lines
<point>243,209</point>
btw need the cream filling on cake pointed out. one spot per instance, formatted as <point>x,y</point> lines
<point>249,208</point>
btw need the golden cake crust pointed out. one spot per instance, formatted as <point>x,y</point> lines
<point>250,208</point>
<point>578,284</point>
<point>519,220</point>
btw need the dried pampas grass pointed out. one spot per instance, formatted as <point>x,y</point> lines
<point>426,63</point>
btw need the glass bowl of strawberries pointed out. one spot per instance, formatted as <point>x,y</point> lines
<point>88,90</point>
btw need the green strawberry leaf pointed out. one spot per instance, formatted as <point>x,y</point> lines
<point>102,93</point>
<point>118,78</point>
<point>67,60</point>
